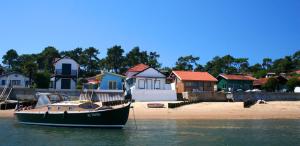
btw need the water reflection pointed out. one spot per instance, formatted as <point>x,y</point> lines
<point>158,132</point>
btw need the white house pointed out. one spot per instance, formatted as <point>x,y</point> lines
<point>145,83</point>
<point>65,74</point>
<point>14,79</point>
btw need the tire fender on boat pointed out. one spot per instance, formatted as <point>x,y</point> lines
<point>65,114</point>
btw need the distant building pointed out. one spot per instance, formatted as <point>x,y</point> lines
<point>65,74</point>
<point>189,81</point>
<point>235,82</point>
<point>282,80</point>
<point>14,79</point>
<point>145,83</point>
<point>106,81</point>
<point>270,74</point>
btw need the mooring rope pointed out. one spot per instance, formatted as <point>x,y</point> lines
<point>134,117</point>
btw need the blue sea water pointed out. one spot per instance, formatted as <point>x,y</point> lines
<point>156,133</point>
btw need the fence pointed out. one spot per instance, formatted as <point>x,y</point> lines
<point>204,96</point>
<point>267,96</point>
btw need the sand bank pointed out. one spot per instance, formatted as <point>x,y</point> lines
<point>212,110</point>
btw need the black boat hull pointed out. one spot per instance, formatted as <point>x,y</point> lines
<point>110,118</point>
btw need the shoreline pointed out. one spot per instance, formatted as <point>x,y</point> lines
<point>280,110</point>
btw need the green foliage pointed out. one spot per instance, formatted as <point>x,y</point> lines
<point>114,59</point>
<point>292,83</point>
<point>42,80</point>
<point>186,63</point>
<point>267,63</point>
<point>153,60</point>
<point>135,56</point>
<point>91,54</point>
<point>283,65</point>
<point>271,84</point>
<point>260,73</point>
<point>46,58</point>
<point>10,58</point>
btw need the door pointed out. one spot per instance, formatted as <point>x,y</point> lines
<point>65,83</point>
<point>149,84</point>
<point>66,69</point>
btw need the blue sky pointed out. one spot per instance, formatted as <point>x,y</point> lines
<point>250,28</point>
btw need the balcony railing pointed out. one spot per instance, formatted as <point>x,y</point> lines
<point>60,72</point>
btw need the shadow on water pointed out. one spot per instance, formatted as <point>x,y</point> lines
<point>158,132</point>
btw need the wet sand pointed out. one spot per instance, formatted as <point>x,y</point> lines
<point>211,110</point>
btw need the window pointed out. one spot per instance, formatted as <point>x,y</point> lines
<point>188,83</point>
<point>157,84</point>
<point>15,82</point>
<point>112,85</point>
<point>3,82</point>
<point>141,84</point>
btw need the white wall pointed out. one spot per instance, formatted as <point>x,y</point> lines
<point>14,76</point>
<point>150,72</point>
<point>74,64</point>
<point>162,82</point>
<point>154,95</point>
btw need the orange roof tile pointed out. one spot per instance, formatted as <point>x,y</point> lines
<point>237,77</point>
<point>194,76</point>
<point>138,68</point>
<point>260,81</point>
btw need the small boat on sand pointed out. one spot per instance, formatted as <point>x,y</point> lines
<point>52,110</point>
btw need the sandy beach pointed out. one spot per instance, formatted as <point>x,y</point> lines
<point>220,110</point>
<point>212,110</point>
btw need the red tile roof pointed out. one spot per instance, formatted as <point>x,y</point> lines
<point>194,76</point>
<point>138,68</point>
<point>238,77</point>
<point>260,81</point>
<point>297,71</point>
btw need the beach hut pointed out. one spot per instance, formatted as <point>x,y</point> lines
<point>189,81</point>
<point>229,82</point>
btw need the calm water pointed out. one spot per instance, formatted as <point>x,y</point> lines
<point>157,132</point>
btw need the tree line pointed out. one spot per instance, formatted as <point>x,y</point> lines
<point>117,61</point>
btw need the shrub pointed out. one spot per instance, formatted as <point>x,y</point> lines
<point>292,83</point>
<point>271,85</point>
<point>42,80</point>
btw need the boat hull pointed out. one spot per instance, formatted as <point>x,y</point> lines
<point>110,118</point>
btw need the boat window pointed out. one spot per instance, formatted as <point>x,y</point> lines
<point>54,98</point>
<point>43,100</point>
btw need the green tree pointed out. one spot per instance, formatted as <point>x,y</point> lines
<point>292,83</point>
<point>29,69</point>
<point>267,63</point>
<point>199,67</point>
<point>46,58</point>
<point>283,65</point>
<point>115,58</point>
<point>42,80</point>
<point>10,58</point>
<point>271,85</point>
<point>92,66</point>
<point>296,60</point>
<point>241,64</point>
<point>153,60</point>
<point>186,63</point>
<point>215,66</point>
<point>135,56</point>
